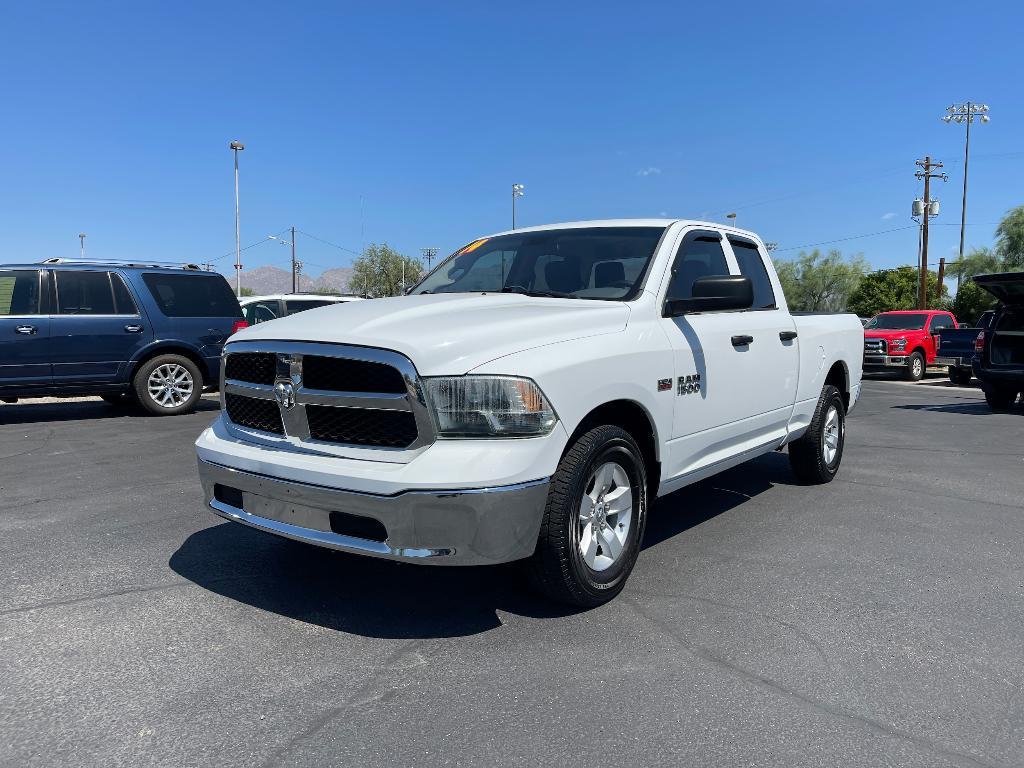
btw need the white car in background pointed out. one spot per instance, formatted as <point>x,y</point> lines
<point>259,309</point>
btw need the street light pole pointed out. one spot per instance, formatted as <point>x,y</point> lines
<point>965,113</point>
<point>81,244</point>
<point>517,191</point>
<point>236,147</point>
<point>295,277</point>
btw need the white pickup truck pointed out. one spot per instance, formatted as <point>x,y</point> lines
<point>528,400</point>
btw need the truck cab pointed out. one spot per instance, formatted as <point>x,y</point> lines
<point>905,339</point>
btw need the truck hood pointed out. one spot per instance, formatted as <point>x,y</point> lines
<point>879,333</point>
<point>1008,287</point>
<point>448,333</point>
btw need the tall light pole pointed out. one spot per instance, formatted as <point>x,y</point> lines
<point>81,244</point>
<point>517,191</point>
<point>236,147</point>
<point>965,113</point>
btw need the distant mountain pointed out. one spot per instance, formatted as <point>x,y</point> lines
<point>264,280</point>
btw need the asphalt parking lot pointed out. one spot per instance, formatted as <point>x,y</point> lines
<point>878,620</point>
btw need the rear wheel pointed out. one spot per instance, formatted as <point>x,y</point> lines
<point>1000,398</point>
<point>960,376</point>
<point>816,456</point>
<point>594,520</point>
<point>915,367</point>
<point>168,385</point>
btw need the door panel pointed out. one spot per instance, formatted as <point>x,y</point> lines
<point>91,342</point>
<point>24,331</point>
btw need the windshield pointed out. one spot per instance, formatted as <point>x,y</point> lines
<point>893,322</point>
<point>606,263</point>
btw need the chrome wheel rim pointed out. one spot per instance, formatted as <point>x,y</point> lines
<point>170,385</point>
<point>605,516</point>
<point>918,368</point>
<point>831,436</point>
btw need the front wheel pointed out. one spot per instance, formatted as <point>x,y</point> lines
<point>816,456</point>
<point>915,367</point>
<point>594,520</point>
<point>168,385</point>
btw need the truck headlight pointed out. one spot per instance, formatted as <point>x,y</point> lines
<point>488,406</point>
<point>899,344</point>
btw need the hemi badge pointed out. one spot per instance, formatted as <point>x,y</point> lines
<point>664,385</point>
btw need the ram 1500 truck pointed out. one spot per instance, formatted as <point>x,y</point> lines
<point>528,400</point>
<point>905,339</point>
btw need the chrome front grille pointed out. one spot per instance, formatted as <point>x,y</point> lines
<point>328,398</point>
<point>875,347</point>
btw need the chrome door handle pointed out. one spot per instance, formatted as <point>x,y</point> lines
<point>133,328</point>
<point>27,330</point>
<point>742,341</point>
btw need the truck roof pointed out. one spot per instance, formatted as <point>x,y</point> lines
<point>632,223</point>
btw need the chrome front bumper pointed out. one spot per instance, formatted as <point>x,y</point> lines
<point>475,526</point>
<point>885,361</point>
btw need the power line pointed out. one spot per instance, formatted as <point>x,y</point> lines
<point>246,248</point>
<point>884,232</point>
<point>328,242</point>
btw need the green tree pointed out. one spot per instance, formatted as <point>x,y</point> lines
<point>979,261</point>
<point>246,292</point>
<point>894,289</point>
<point>815,282</point>
<point>378,271</point>
<point>1010,239</point>
<point>970,301</point>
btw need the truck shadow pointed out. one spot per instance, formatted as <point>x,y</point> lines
<point>973,408</point>
<point>380,598</point>
<point>30,412</point>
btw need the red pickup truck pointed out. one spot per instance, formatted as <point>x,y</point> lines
<point>905,339</point>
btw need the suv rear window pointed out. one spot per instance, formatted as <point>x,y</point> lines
<point>191,295</point>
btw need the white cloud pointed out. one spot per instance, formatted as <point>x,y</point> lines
<point>887,216</point>
<point>649,171</point>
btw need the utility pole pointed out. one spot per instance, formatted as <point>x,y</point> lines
<point>295,273</point>
<point>428,254</point>
<point>927,166</point>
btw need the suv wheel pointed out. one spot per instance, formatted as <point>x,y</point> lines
<point>816,456</point>
<point>594,520</point>
<point>168,385</point>
<point>915,367</point>
<point>1000,399</point>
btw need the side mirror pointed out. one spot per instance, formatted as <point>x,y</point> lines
<point>714,294</point>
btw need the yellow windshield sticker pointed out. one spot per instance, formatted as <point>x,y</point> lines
<point>474,245</point>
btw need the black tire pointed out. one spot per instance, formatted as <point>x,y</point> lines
<point>151,403</point>
<point>807,456</point>
<point>558,568</point>
<point>1000,398</point>
<point>915,367</point>
<point>960,376</point>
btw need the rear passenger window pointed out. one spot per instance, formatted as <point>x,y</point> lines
<point>123,300</point>
<point>303,304</point>
<point>752,266</point>
<point>700,255</point>
<point>19,292</point>
<point>941,321</point>
<point>192,295</point>
<point>84,293</point>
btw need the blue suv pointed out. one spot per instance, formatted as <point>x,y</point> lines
<point>127,332</point>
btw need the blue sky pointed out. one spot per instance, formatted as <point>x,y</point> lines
<point>805,119</point>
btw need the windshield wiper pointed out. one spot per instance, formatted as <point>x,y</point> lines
<point>527,292</point>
